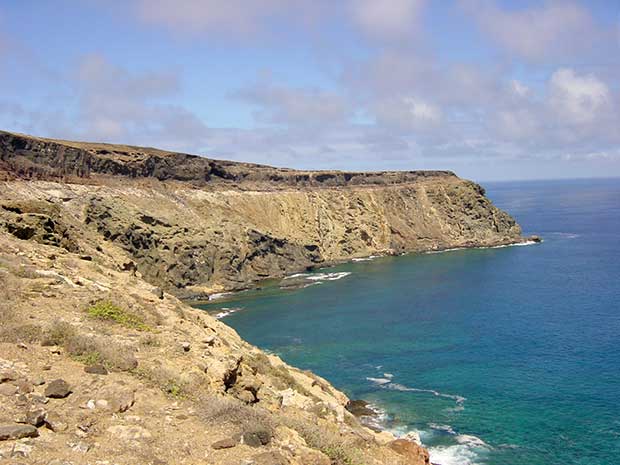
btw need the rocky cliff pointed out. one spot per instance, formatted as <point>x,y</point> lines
<point>195,226</point>
<point>99,360</point>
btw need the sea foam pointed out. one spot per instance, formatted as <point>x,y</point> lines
<point>225,311</point>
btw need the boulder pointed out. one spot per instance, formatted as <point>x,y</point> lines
<point>360,408</point>
<point>17,432</point>
<point>416,455</point>
<point>57,389</point>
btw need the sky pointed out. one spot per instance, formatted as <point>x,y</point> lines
<point>490,89</point>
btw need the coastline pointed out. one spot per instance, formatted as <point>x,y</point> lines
<point>232,293</point>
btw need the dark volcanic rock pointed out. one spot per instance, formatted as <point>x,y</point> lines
<point>360,408</point>
<point>57,389</point>
<point>17,432</point>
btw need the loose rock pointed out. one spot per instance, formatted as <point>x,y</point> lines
<point>8,390</point>
<point>17,432</point>
<point>58,389</point>
<point>224,444</point>
<point>97,369</point>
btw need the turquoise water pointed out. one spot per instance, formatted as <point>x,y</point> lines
<point>496,356</point>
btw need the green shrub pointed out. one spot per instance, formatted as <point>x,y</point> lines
<point>105,310</point>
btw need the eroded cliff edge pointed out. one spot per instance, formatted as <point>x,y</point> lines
<point>195,226</point>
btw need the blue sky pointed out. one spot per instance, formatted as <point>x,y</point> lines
<point>490,89</point>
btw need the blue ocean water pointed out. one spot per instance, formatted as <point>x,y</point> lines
<point>504,356</point>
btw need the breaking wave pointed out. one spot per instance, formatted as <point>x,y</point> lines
<point>225,311</point>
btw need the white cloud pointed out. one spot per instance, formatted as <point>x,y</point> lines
<point>198,16</point>
<point>576,99</point>
<point>556,28</point>
<point>278,104</point>
<point>422,111</point>
<point>390,19</point>
<point>519,89</point>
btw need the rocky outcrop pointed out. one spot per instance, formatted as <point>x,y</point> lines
<point>194,393</point>
<point>37,158</point>
<point>237,224</point>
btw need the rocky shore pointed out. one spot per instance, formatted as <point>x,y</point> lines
<point>100,360</point>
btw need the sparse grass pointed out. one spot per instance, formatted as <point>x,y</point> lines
<point>26,333</point>
<point>279,374</point>
<point>106,310</point>
<point>150,340</point>
<point>88,349</point>
<point>58,333</point>
<point>88,358</point>
<point>163,379</point>
<point>227,410</point>
<point>174,389</point>
<point>339,450</point>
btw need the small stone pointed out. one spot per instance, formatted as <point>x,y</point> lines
<point>186,346</point>
<point>38,398</point>
<point>34,417</point>
<point>8,390</point>
<point>23,346</point>
<point>87,258</point>
<point>24,387</point>
<point>54,423</point>
<point>46,367</point>
<point>224,444</point>
<point>80,446</point>
<point>17,432</point>
<point>209,340</point>
<point>7,375</point>
<point>38,381</point>
<point>97,369</point>
<point>58,389</point>
<point>21,450</point>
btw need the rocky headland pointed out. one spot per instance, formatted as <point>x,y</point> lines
<point>101,362</point>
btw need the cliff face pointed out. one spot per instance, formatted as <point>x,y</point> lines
<point>216,226</point>
<point>37,158</point>
<point>99,360</point>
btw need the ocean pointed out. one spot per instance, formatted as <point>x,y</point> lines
<point>496,356</point>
